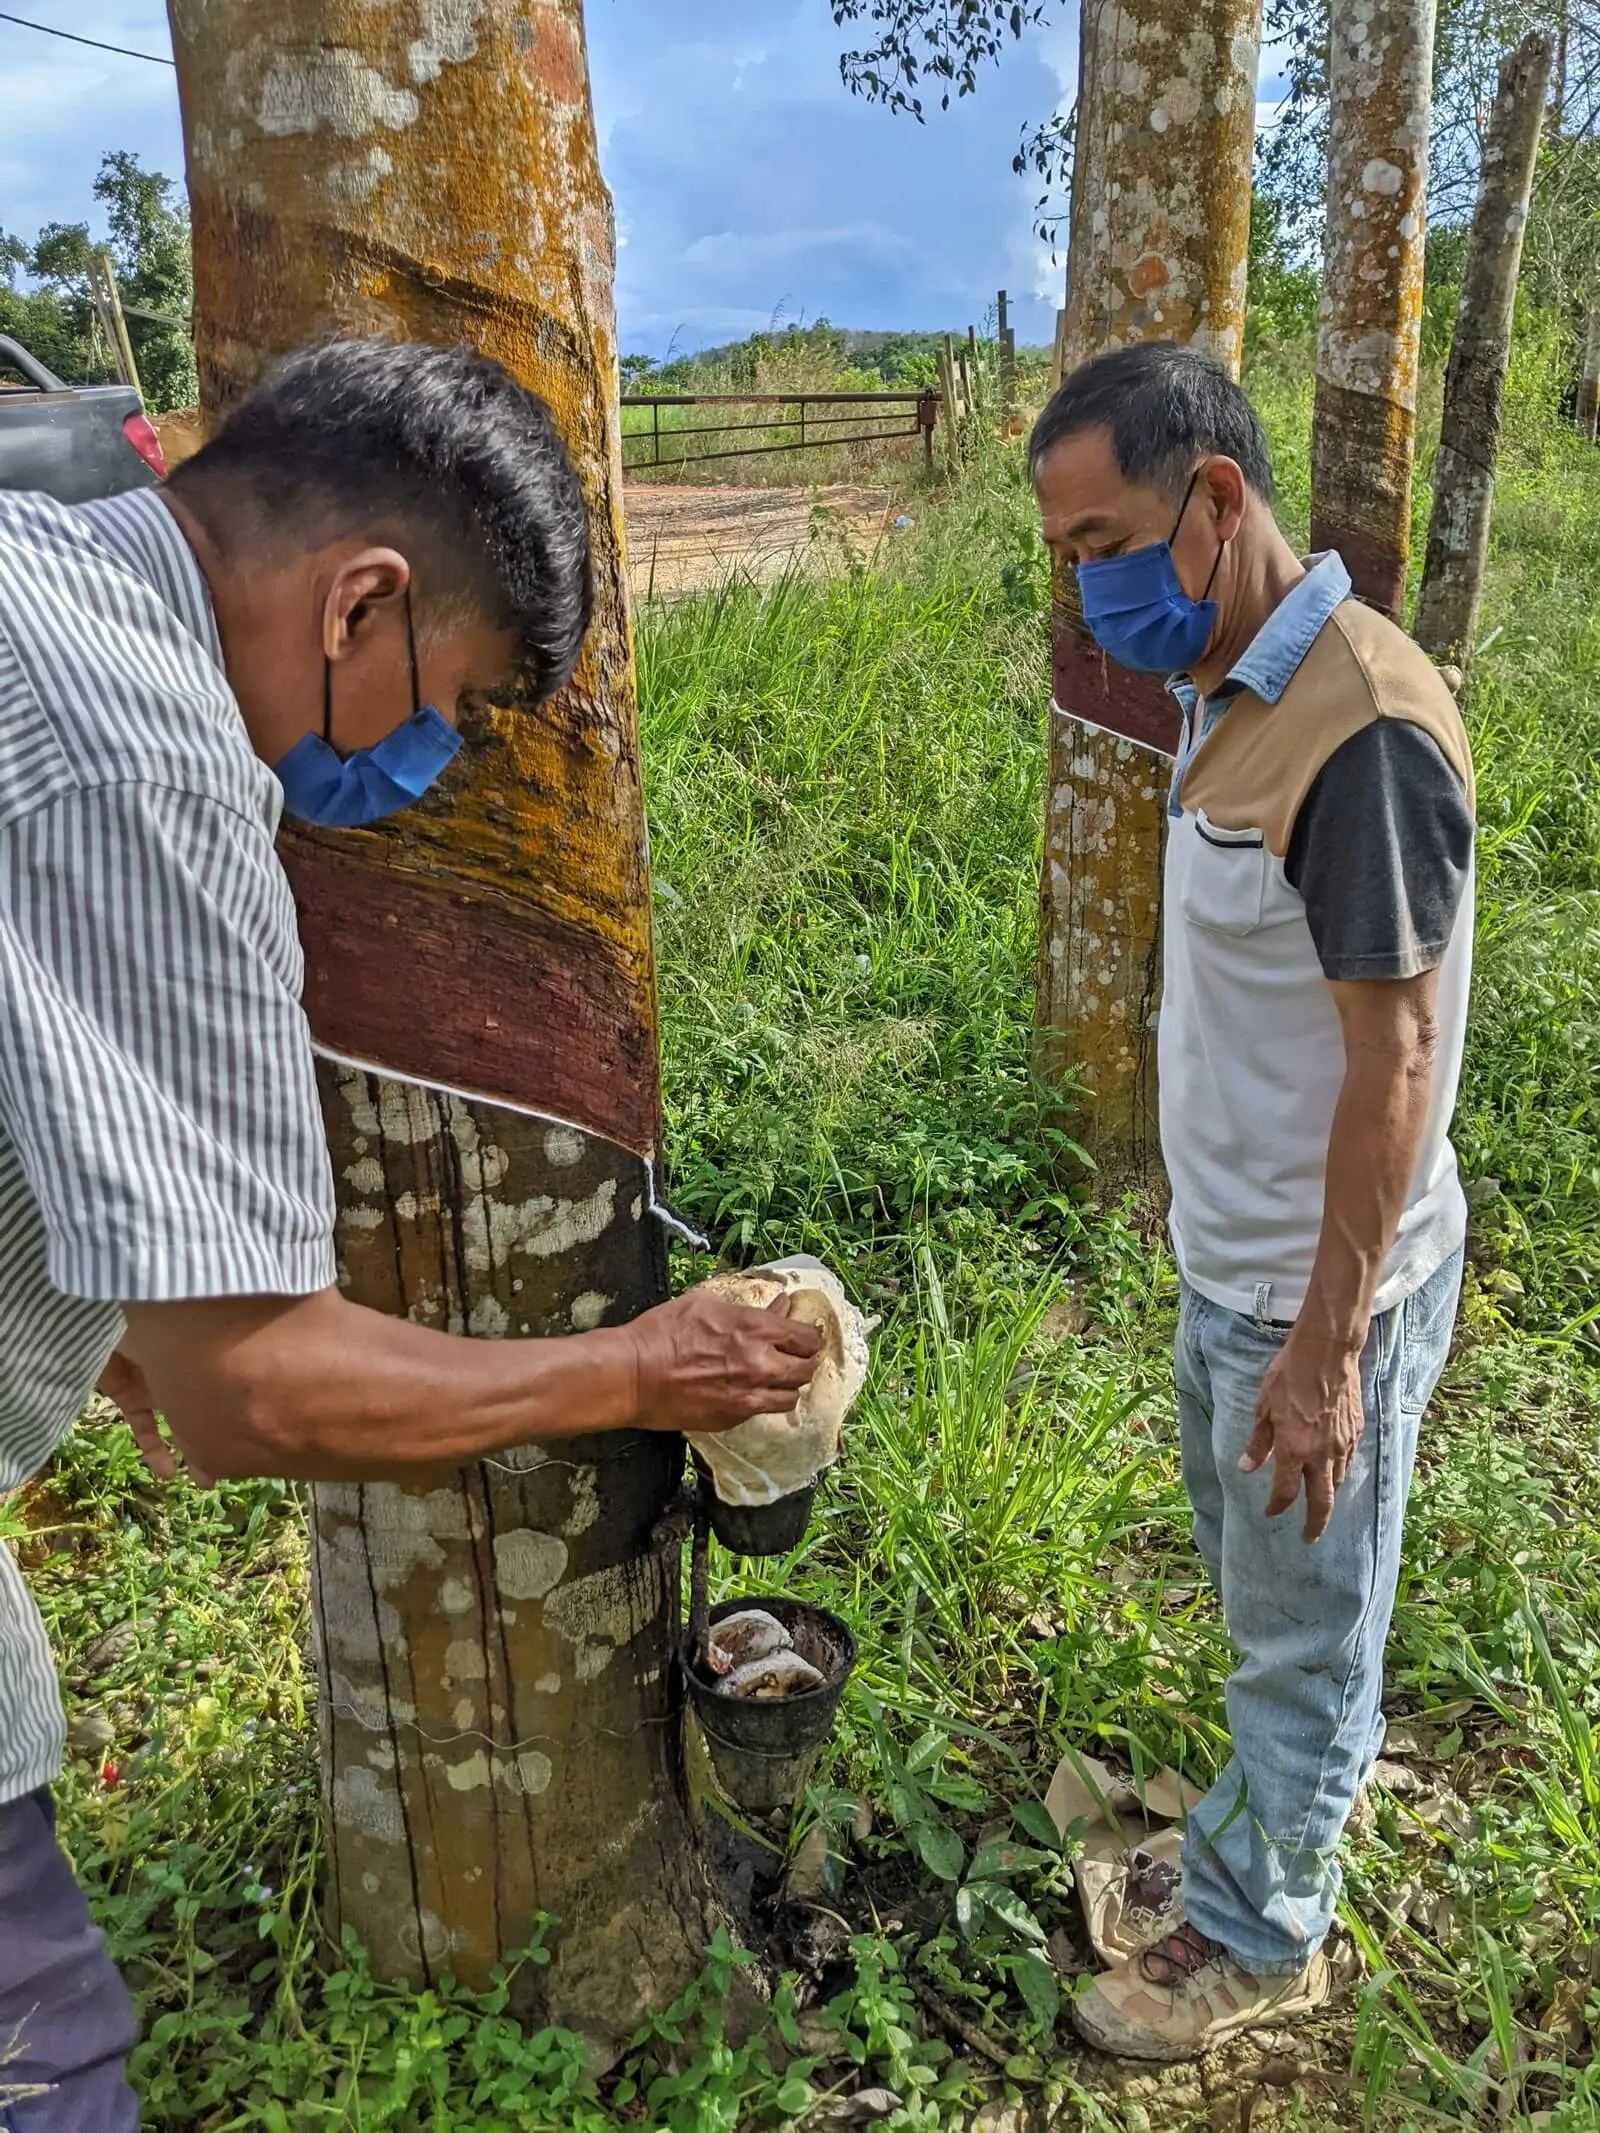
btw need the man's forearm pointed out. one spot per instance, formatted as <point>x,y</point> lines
<point>319,1388</point>
<point>313,1388</point>
<point>1372,1154</point>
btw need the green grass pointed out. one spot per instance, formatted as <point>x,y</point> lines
<point>845,785</point>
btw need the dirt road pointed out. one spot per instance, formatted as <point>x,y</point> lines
<point>679,538</point>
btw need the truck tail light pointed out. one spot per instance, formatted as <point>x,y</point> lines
<point>140,432</point>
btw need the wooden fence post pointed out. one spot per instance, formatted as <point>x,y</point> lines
<point>949,390</point>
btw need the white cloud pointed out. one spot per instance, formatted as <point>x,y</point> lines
<point>746,250</point>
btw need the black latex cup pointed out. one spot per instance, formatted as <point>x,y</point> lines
<point>759,1529</point>
<point>763,1751</point>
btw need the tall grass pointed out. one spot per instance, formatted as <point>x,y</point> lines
<point>845,791</point>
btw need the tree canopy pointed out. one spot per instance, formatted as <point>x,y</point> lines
<point>905,54</point>
<point>44,286</point>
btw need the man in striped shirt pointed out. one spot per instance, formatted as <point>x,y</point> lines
<point>376,533</point>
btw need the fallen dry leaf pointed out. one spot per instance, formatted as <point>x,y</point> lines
<point>1563,2021</point>
<point>1397,1778</point>
<point>809,1865</point>
<point>861,2109</point>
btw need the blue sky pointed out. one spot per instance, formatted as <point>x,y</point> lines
<point>748,183</point>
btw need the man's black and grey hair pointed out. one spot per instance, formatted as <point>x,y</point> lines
<point>437,452</point>
<point>1165,408</point>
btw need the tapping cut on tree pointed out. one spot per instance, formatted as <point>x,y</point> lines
<point>1369,334</point>
<point>1480,350</point>
<point>1158,250</point>
<point>499,1709</point>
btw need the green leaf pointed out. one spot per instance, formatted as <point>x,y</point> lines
<point>909,1808</point>
<point>929,1751</point>
<point>1039,1987</point>
<point>794,2098</point>
<point>941,1850</point>
<point>1006,1905</point>
<point>999,1859</point>
<point>962,1793</point>
<point>1034,1819</point>
<point>969,1910</point>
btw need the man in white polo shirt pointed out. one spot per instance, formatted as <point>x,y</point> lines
<point>1318,940</point>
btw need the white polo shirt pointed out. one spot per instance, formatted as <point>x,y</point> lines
<point>1320,829</point>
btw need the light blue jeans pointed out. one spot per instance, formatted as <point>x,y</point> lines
<point>1260,1866</point>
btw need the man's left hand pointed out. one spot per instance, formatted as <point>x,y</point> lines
<point>1309,1418</point>
<point>123,1383</point>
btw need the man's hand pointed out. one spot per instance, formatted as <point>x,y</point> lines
<point>1309,1418</point>
<point>704,1364</point>
<point>123,1383</point>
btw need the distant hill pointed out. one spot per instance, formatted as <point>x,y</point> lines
<point>803,355</point>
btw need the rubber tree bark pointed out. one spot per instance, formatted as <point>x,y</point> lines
<point>495,1647</point>
<point>1446,624</point>
<point>1158,249</point>
<point>1363,430</point>
<point>1589,377</point>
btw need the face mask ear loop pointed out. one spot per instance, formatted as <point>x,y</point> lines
<point>411,646</point>
<point>1216,566</point>
<point>1178,521</point>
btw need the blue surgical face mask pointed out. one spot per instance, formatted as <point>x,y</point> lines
<point>1138,613</point>
<point>346,792</point>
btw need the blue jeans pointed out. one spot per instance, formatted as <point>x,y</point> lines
<point>1260,1866</point>
<point>65,2023</point>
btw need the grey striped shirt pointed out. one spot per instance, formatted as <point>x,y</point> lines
<point>159,1131</point>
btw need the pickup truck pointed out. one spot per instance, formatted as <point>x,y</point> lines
<point>73,441</point>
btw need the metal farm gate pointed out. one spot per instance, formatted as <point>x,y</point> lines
<point>816,420</point>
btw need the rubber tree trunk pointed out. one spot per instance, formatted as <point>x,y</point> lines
<point>1589,376</point>
<point>1158,246</point>
<point>1363,431</point>
<point>495,1647</point>
<point>1446,624</point>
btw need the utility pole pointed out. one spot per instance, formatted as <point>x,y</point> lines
<point>1363,431</point>
<point>1158,250</point>
<point>495,1647</point>
<point>1475,381</point>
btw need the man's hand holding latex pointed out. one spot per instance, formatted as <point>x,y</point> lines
<point>315,1387</point>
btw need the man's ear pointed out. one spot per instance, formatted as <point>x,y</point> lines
<point>363,585</point>
<point>1228,491</point>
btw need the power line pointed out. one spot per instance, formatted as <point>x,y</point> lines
<point>123,51</point>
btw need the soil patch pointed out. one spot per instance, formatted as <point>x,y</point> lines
<point>682,538</point>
